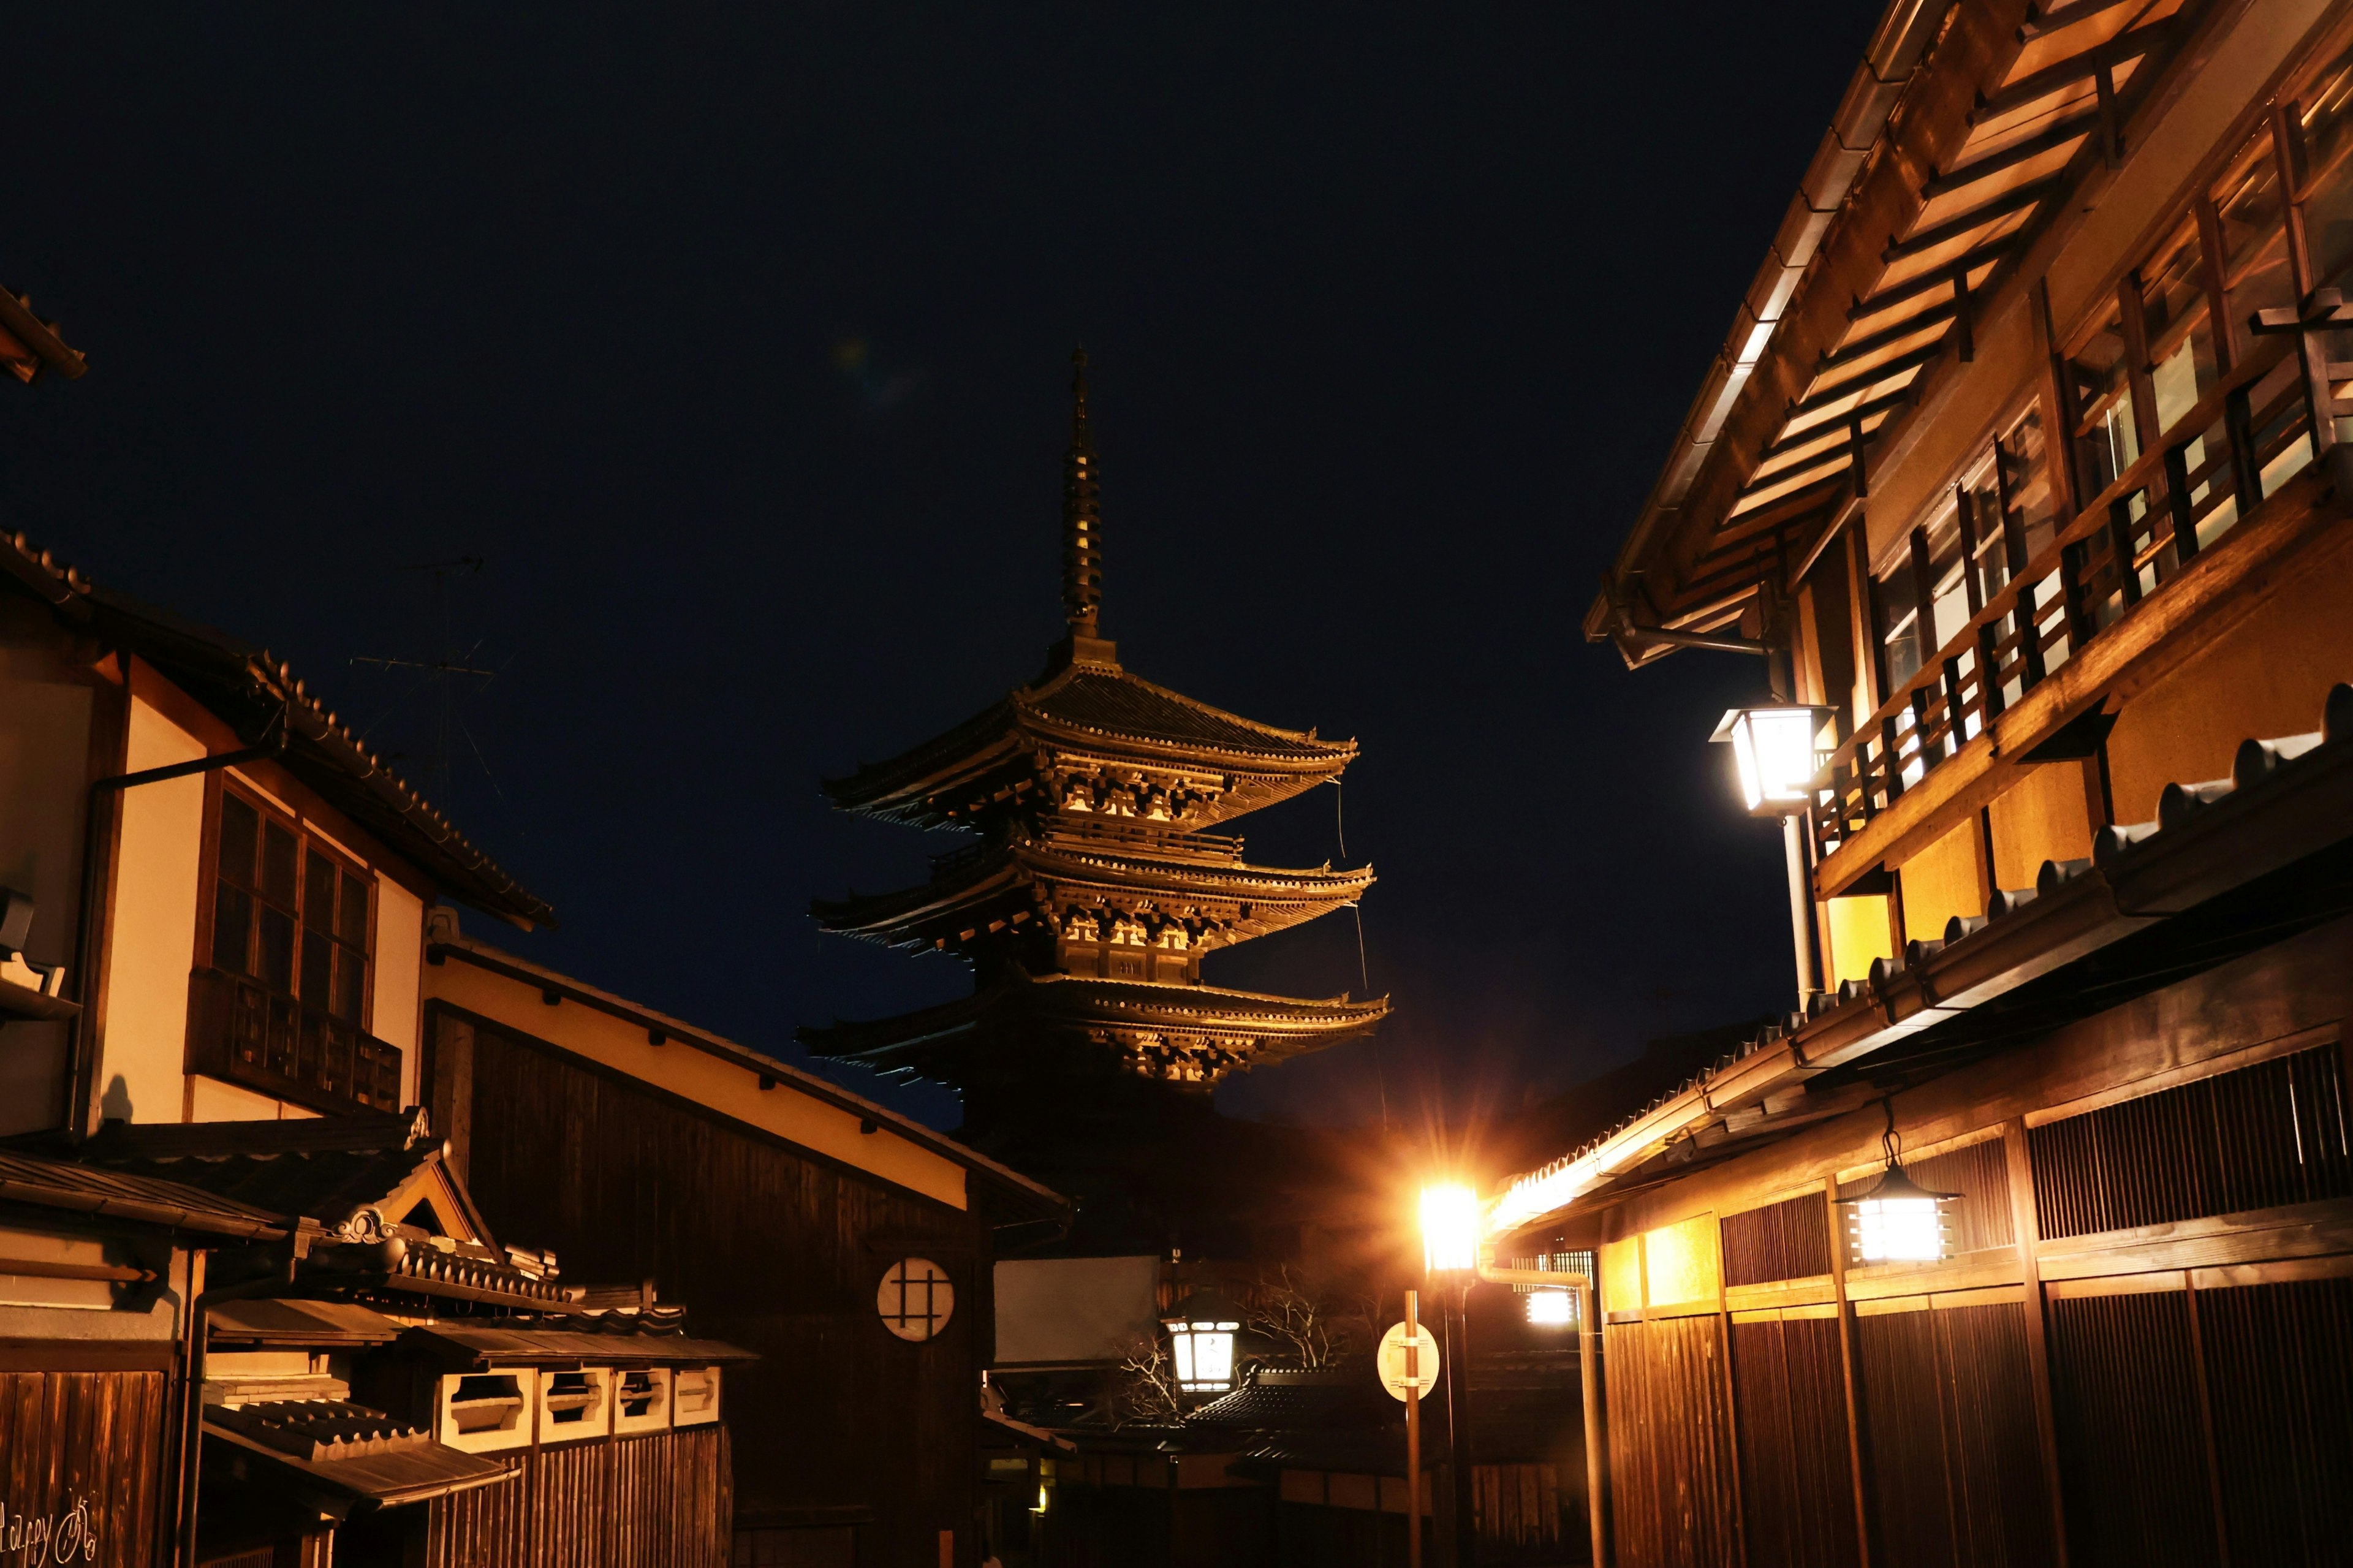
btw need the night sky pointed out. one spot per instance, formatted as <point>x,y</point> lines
<point>733,343</point>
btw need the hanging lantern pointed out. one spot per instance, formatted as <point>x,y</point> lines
<point>1895,1219</point>
<point>1773,748</point>
<point>1201,1331</point>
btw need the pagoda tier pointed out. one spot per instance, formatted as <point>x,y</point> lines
<point>1088,898</point>
<point>1117,900</point>
<point>1179,1033</point>
<point>1092,738</point>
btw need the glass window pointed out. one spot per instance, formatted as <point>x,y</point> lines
<point>2254,224</point>
<point>287,912</point>
<point>1948,593</point>
<point>1899,610</point>
<point>2101,369</point>
<point>2327,116</point>
<point>2178,325</point>
<point>2024,472</point>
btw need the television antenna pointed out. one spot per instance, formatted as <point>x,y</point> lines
<point>442,673</point>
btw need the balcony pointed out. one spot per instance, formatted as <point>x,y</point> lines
<point>250,1036</point>
<point>2222,495</point>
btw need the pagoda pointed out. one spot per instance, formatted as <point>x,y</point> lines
<point>1091,888</point>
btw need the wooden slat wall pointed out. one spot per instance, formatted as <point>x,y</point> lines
<point>2132,1448</point>
<point>1949,1439</point>
<point>82,1451</point>
<point>656,1501</point>
<point>2279,1365</point>
<point>768,1248</point>
<point>1787,1240</point>
<point>1797,1485</point>
<point>1670,1445</point>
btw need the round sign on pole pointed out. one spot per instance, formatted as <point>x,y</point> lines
<point>1391,1360</point>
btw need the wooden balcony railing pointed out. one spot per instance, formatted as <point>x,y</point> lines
<point>242,1032</point>
<point>2205,474</point>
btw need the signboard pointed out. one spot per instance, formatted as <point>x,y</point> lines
<point>1075,1311</point>
<point>1391,1360</point>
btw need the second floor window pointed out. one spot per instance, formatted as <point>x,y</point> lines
<point>288,912</point>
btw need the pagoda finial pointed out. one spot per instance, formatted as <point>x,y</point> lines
<point>1082,517</point>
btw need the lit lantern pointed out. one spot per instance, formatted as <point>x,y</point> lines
<point>1897,1220</point>
<point>1774,750</point>
<point>1201,1340</point>
<point>1549,1306</point>
<point>1449,1231</point>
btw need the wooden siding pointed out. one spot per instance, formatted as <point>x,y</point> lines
<point>1670,1445</point>
<point>1949,1439</point>
<point>1787,1240</point>
<point>656,1501</point>
<point>2132,1443</point>
<point>767,1248</point>
<point>2279,1361</point>
<point>1797,1481</point>
<point>82,1457</point>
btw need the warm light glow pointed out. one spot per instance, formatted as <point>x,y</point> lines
<point>1899,1221</point>
<point>1450,1229</point>
<point>1898,1230</point>
<point>1201,1342</point>
<point>1551,1309</point>
<point>1774,750</point>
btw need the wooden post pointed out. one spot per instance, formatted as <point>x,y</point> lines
<point>1413,1429</point>
<point>1589,1370</point>
<point>1847,1374</point>
<point>2037,1351</point>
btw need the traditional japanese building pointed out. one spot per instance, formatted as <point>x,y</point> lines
<point>2026,469</point>
<point>1091,890</point>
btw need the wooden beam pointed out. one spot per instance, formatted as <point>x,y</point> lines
<point>2024,1225</point>
<point>2010,157</point>
<point>1951,229</point>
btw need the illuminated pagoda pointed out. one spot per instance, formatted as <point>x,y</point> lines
<point>1091,891</point>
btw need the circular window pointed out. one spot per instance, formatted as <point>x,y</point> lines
<point>915,1299</point>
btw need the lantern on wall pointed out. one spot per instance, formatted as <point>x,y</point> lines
<point>1773,747</point>
<point>1202,1329</point>
<point>1895,1219</point>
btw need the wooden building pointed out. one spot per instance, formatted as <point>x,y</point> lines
<point>850,1246</point>
<point>1087,897</point>
<point>2024,467</point>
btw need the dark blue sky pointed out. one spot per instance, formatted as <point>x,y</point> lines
<point>733,341</point>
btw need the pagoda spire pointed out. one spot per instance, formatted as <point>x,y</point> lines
<point>1082,517</point>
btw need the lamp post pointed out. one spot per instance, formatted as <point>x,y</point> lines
<point>1202,1329</point>
<point>1449,1255</point>
<point>1773,752</point>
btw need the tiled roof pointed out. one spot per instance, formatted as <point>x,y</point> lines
<point>1281,1401</point>
<point>350,1448</point>
<point>2309,775</point>
<point>259,697</point>
<point>41,1181</point>
<point>1107,699</point>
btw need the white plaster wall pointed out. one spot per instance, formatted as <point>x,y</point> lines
<point>399,976</point>
<point>153,935</point>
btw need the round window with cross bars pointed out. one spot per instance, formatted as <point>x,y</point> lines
<point>915,1299</point>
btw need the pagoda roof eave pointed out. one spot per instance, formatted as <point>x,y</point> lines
<point>1278,1026</point>
<point>1297,895</point>
<point>1096,711</point>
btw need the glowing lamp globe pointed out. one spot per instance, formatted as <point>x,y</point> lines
<point>1201,1331</point>
<point>1897,1220</point>
<point>1449,1231</point>
<point>1773,748</point>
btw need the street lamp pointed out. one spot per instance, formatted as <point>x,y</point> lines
<point>1895,1219</point>
<point>1450,1255</point>
<point>1201,1331</point>
<point>1773,747</point>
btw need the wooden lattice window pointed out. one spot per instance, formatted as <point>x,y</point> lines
<point>915,1299</point>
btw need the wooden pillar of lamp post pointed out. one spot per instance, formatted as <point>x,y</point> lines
<point>1449,1238</point>
<point>1413,1429</point>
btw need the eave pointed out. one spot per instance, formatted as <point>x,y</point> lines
<point>1028,875</point>
<point>2229,866</point>
<point>1964,140</point>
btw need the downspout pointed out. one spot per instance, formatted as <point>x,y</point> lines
<point>1589,1377</point>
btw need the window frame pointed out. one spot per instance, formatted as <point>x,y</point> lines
<point>308,839</point>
